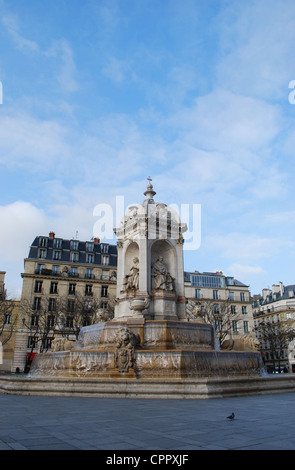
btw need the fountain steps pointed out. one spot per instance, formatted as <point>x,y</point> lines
<point>201,388</point>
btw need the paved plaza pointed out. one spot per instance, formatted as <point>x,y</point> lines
<point>68,423</point>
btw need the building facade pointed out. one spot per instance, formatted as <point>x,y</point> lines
<point>58,269</point>
<point>222,295</point>
<point>9,315</point>
<point>274,320</point>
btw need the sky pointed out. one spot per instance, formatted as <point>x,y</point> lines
<point>101,94</point>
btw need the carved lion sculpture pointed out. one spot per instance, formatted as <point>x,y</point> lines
<point>62,344</point>
<point>245,343</point>
<point>125,338</point>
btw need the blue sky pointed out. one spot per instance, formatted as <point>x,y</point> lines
<point>98,95</point>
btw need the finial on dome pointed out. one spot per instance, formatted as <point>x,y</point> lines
<point>149,193</point>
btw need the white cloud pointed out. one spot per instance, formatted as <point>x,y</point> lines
<point>12,26</point>
<point>257,47</point>
<point>66,72</point>
<point>226,122</point>
<point>27,140</point>
<point>116,69</point>
<point>20,223</point>
<point>243,271</point>
<point>250,246</point>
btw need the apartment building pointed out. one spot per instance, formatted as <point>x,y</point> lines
<point>274,320</point>
<point>55,269</point>
<point>224,295</point>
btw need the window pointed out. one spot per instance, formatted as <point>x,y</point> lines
<point>37,303</point>
<point>74,244</point>
<point>242,294</point>
<point>56,254</point>
<point>31,342</point>
<point>104,291</point>
<point>89,246</point>
<point>235,326</point>
<point>231,296</point>
<point>52,305</point>
<point>74,256</point>
<point>34,320</point>
<point>55,270</point>
<point>57,243</point>
<point>53,288</point>
<point>217,325</point>
<point>233,309</point>
<point>38,287</point>
<point>104,305</point>
<point>104,248</point>
<point>207,281</point>
<point>47,343</point>
<point>42,253</point>
<point>197,293</point>
<point>7,319</point>
<point>88,289</point>
<point>216,308</point>
<point>73,272</point>
<point>42,241</point>
<point>89,258</point>
<point>50,321</point>
<point>105,260</point>
<point>89,273</point>
<point>244,310</point>
<point>215,295</point>
<point>72,289</point>
<point>246,327</point>
<point>40,268</point>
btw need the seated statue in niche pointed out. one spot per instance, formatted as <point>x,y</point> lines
<point>131,280</point>
<point>162,279</point>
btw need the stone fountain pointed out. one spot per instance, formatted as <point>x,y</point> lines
<point>149,349</point>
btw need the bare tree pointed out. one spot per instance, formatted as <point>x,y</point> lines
<point>274,337</point>
<point>218,314</point>
<point>7,318</point>
<point>40,318</point>
<point>77,311</point>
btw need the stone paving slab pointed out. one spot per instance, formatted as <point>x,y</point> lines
<point>72,423</point>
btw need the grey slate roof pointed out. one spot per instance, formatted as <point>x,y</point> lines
<point>98,250</point>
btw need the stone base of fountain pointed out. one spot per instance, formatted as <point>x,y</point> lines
<point>140,349</point>
<point>146,359</point>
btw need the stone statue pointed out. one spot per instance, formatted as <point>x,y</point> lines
<point>124,353</point>
<point>162,279</point>
<point>194,312</point>
<point>131,280</point>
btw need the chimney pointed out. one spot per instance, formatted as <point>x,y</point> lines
<point>275,289</point>
<point>282,288</point>
<point>265,293</point>
<point>51,234</point>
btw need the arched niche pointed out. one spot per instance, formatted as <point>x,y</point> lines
<point>132,251</point>
<point>164,249</point>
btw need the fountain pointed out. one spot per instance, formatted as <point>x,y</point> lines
<point>149,349</point>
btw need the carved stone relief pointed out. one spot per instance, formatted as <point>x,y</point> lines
<point>162,279</point>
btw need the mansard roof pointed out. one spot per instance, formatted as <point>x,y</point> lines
<point>65,247</point>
